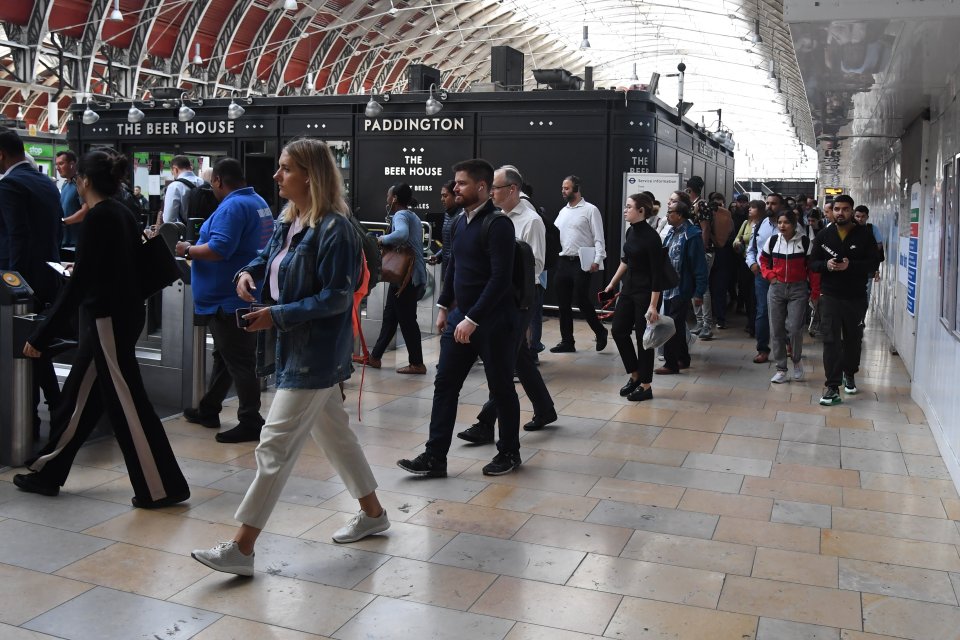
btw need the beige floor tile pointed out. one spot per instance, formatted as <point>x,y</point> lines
<point>787,601</point>
<point>816,475</point>
<point>791,490</point>
<point>854,498</point>
<point>86,478</point>
<point>551,440</point>
<point>552,605</point>
<point>527,631</point>
<point>230,628</point>
<point>774,535</point>
<point>895,525</point>
<point>470,518</point>
<point>922,445</point>
<point>104,454</point>
<point>25,594</point>
<point>276,600</point>
<point>589,465</point>
<point>148,572</point>
<point>637,453</point>
<point>8,632</point>
<point>791,566</point>
<point>544,503</point>
<point>643,415</point>
<point>162,531</point>
<point>306,465</point>
<point>582,536</point>
<point>910,619</point>
<point>651,580</point>
<point>746,447</point>
<point>912,553</point>
<point>727,504</point>
<point>686,440</point>
<point>663,620</point>
<point>208,450</point>
<point>588,409</point>
<point>952,507</point>
<point>635,492</point>
<point>400,506</point>
<point>628,433</point>
<point>841,422</point>
<point>897,581</point>
<point>403,539</point>
<point>698,421</point>
<point>846,634</point>
<point>908,484</point>
<point>286,519</point>
<point>683,551</point>
<point>427,583</point>
<point>744,411</point>
<point>576,484</point>
<point>727,464</point>
<point>119,491</point>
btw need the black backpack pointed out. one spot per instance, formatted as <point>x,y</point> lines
<point>371,252</point>
<point>200,200</point>
<point>524,266</point>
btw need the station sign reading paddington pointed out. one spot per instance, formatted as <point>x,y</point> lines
<point>416,150</point>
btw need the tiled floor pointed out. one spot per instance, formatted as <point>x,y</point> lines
<point>726,508</point>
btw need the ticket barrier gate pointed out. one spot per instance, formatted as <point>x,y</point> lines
<point>16,370</point>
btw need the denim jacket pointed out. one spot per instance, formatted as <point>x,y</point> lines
<point>312,315</point>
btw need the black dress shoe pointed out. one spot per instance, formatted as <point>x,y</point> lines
<point>563,347</point>
<point>194,416</point>
<point>239,433</point>
<point>502,464</point>
<point>425,465</point>
<point>641,394</point>
<point>162,502</point>
<point>479,433</point>
<point>31,483</point>
<point>602,340</point>
<point>540,421</point>
<point>630,387</point>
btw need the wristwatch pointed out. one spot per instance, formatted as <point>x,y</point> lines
<point>186,252</point>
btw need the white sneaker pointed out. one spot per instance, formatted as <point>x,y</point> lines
<point>226,557</point>
<point>779,377</point>
<point>361,526</point>
<point>798,370</point>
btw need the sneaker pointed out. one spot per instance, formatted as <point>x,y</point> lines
<point>697,329</point>
<point>502,464</point>
<point>779,377</point>
<point>239,433</point>
<point>31,483</point>
<point>831,396</point>
<point>479,433</point>
<point>226,557</point>
<point>705,334</point>
<point>691,339</point>
<point>361,526</point>
<point>425,465</point>
<point>849,384</point>
<point>563,347</point>
<point>194,416</point>
<point>798,370</point>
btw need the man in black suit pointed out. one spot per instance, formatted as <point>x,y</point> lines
<point>30,218</point>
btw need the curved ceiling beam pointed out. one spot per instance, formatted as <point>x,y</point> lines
<point>228,33</point>
<point>285,52</point>
<point>179,59</point>
<point>335,77</point>
<point>90,42</point>
<point>25,58</point>
<point>249,74</point>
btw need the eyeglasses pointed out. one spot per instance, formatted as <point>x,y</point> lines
<point>501,186</point>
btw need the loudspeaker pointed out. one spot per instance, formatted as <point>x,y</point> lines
<point>506,67</point>
<point>420,77</point>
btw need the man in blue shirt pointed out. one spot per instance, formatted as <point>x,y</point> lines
<point>229,239</point>
<point>69,198</point>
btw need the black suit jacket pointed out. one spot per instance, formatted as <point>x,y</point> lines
<point>30,219</point>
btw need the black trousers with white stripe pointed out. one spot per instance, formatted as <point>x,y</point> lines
<point>105,378</point>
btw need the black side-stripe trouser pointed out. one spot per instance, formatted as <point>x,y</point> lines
<point>105,378</point>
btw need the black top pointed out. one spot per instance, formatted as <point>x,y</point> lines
<point>105,280</point>
<point>859,247</point>
<point>643,255</point>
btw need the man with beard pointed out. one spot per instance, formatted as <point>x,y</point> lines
<point>478,317</point>
<point>580,227</point>
<point>845,253</point>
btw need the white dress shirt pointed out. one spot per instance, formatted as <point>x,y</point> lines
<point>528,226</point>
<point>580,225</point>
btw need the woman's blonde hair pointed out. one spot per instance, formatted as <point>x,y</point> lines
<point>326,183</point>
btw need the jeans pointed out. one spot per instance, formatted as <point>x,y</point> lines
<point>842,335</point>
<point>630,320</point>
<point>675,351</point>
<point>495,342</point>
<point>572,284</point>
<point>761,285</point>
<point>787,308</point>
<point>401,310</point>
<point>234,362</point>
<point>704,310</point>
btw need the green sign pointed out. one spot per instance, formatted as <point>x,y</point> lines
<point>39,150</point>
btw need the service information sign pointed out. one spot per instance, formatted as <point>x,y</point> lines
<point>661,185</point>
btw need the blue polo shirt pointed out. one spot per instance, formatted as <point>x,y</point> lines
<point>238,229</point>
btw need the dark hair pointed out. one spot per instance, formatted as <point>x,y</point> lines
<point>656,203</point>
<point>449,186</point>
<point>777,196</point>
<point>650,195</point>
<point>716,195</point>
<point>478,169</point>
<point>684,198</point>
<point>181,162</point>
<point>862,208</point>
<point>844,198</point>
<point>104,169</point>
<point>695,184</point>
<point>759,205</point>
<point>404,195</point>
<point>742,197</point>
<point>71,156</point>
<point>230,172</point>
<point>790,216</point>
<point>682,209</point>
<point>11,144</point>
<point>643,201</point>
<point>575,180</point>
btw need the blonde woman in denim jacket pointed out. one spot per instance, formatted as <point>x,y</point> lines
<point>310,270</point>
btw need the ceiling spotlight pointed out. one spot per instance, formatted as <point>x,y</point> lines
<point>234,110</point>
<point>115,15</point>
<point>585,43</point>
<point>755,37</point>
<point>134,115</point>
<point>635,77</point>
<point>289,5</point>
<point>434,106</point>
<point>185,113</point>
<point>196,55</point>
<point>374,108</point>
<point>89,115</point>
<point>393,9</point>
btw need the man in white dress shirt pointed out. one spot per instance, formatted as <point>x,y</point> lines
<point>580,226</point>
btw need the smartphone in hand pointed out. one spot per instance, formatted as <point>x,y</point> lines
<point>243,322</point>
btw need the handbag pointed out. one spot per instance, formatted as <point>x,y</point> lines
<point>397,265</point>
<point>157,265</point>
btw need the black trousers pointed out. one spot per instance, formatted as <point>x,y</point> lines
<point>747,293</point>
<point>495,342</point>
<point>629,320</point>
<point>234,363</point>
<point>842,335</point>
<point>720,277</point>
<point>572,285</point>
<point>401,310</point>
<point>105,378</point>
<point>675,351</point>
<point>530,379</point>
